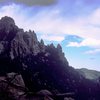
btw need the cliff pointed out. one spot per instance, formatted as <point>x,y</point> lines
<point>41,66</point>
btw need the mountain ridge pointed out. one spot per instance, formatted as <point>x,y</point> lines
<point>41,66</point>
<point>89,74</point>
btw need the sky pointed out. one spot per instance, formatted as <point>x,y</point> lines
<point>75,24</point>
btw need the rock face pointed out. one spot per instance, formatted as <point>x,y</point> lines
<point>42,67</point>
<point>8,29</point>
<point>14,41</point>
<point>11,86</point>
<point>23,44</point>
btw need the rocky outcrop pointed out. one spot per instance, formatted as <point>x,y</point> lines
<point>42,67</point>
<point>24,43</point>
<point>11,86</point>
<point>8,29</point>
<point>15,42</point>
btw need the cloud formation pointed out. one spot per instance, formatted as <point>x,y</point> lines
<point>54,27</point>
<point>53,38</point>
<point>75,23</point>
<point>93,43</point>
<point>53,22</point>
<point>31,2</point>
<point>94,51</point>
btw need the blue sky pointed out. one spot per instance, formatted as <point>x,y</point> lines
<point>75,24</point>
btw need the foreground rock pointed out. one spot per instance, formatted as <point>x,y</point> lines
<point>12,87</point>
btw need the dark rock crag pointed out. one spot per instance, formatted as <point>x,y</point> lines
<point>41,66</point>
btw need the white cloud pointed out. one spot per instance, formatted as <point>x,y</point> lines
<point>93,43</point>
<point>42,22</point>
<point>53,38</point>
<point>95,51</point>
<point>95,17</point>
<point>16,12</point>
<point>50,21</point>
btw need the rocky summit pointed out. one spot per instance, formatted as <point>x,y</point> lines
<point>14,41</point>
<point>41,68</point>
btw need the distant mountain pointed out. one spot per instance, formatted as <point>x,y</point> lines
<point>41,66</point>
<point>89,74</point>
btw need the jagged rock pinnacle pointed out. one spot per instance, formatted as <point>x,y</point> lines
<point>7,20</point>
<point>17,43</point>
<point>8,29</point>
<point>14,41</point>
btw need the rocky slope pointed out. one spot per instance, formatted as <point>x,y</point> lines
<point>41,66</point>
<point>89,74</point>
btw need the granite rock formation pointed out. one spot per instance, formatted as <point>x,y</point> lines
<point>42,67</point>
